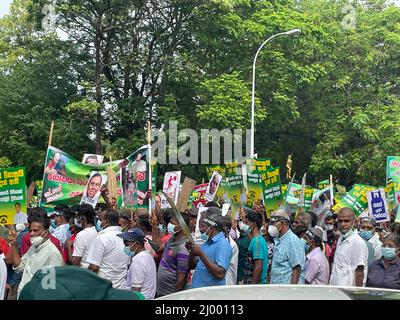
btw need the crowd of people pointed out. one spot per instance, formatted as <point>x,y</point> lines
<point>150,255</point>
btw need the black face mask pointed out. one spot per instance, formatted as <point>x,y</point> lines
<point>299,229</point>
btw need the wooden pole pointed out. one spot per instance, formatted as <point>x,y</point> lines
<point>51,133</point>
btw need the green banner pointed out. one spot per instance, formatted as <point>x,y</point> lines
<point>292,196</point>
<point>390,195</point>
<point>12,196</point>
<point>356,199</point>
<point>255,168</point>
<point>323,184</point>
<point>272,192</point>
<point>222,189</point>
<point>308,196</point>
<point>234,181</point>
<point>65,178</point>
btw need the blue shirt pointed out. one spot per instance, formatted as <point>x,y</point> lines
<point>219,251</point>
<point>288,253</point>
<point>258,250</point>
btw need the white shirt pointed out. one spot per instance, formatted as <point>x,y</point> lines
<point>3,278</point>
<point>107,252</point>
<point>231,273</point>
<point>142,274</point>
<point>20,217</point>
<point>350,253</point>
<point>83,241</point>
<point>36,258</point>
<point>377,245</point>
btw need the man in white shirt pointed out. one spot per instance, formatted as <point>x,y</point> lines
<point>231,273</point>
<point>142,273</point>
<point>106,255</point>
<point>350,265</point>
<point>42,253</point>
<point>20,217</point>
<point>84,218</point>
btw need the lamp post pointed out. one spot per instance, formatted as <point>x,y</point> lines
<point>290,32</point>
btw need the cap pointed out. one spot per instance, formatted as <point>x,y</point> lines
<point>279,215</point>
<point>369,220</point>
<point>315,234</point>
<point>134,234</point>
<point>67,285</point>
<point>55,213</point>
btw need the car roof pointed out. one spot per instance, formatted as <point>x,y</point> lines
<point>284,292</point>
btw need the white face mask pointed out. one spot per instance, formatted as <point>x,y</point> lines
<point>273,231</point>
<point>329,227</point>
<point>37,241</point>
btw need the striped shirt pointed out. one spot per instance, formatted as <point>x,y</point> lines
<point>288,253</point>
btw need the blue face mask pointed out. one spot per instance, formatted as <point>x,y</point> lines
<point>171,228</point>
<point>161,228</point>
<point>98,226</point>
<point>246,229</point>
<point>128,252</point>
<point>204,236</point>
<point>365,234</point>
<point>388,253</point>
<point>53,223</point>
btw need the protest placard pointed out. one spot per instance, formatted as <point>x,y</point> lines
<point>377,205</point>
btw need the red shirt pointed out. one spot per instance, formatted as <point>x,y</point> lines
<point>4,247</point>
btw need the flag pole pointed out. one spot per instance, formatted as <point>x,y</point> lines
<point>51,133</point>
<point>149,161</point>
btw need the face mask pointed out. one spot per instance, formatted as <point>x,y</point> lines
<point>262,230</point>
<point>306,246</point>
<point>161,228</point>
<point>204,236</point>
<point>171,228</point>
<point>98,226</point>
<point>37,241</point>
<point>299,229</point>
<point>329,227</point>
<point>53,223</point>
<point>128,252</point>
<point>366,235</point>
<point>76,222</point>
<point>246,229</point>
<point>388,253</point>
<point>273,231</point>
<point>347,234</point>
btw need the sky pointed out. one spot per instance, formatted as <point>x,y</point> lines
<point>4,7</point>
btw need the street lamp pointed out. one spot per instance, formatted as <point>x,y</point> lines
<point>290,32</point>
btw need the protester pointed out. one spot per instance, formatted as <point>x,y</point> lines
<point>367,232</point>
<point>231,274</point>
<point>106,256</point>
<point>124,222</point>
<point>289,252</point>
<point>74,283</point>
<point>257,258</point>
<point>159,223</point>
<point>350,264</point>
<point>84,218</point>
<point>42,252</point>
<point>211,260</point>
<point>385,272</point>
<point>3,275</point>
<point>173,269</point>
<point>142,273</point>
<point>145,226</point>
<point>301,223</point>
<point>316,269</point>
<point>330,229</point>
<point>243,243</point>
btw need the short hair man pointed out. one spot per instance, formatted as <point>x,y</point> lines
<point>301,223</point>
<point>289,254</point>
<point>215,253</point>
<point>257,259</point>
<point>20,217</point>
<point>231,274</point>
<point>367,232</point>
<point>42,251</point>
<point>350,264</point>
<point>106,256</point>
<point>316,269</point>
<point>84,218</point>
<point>142,273</point>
